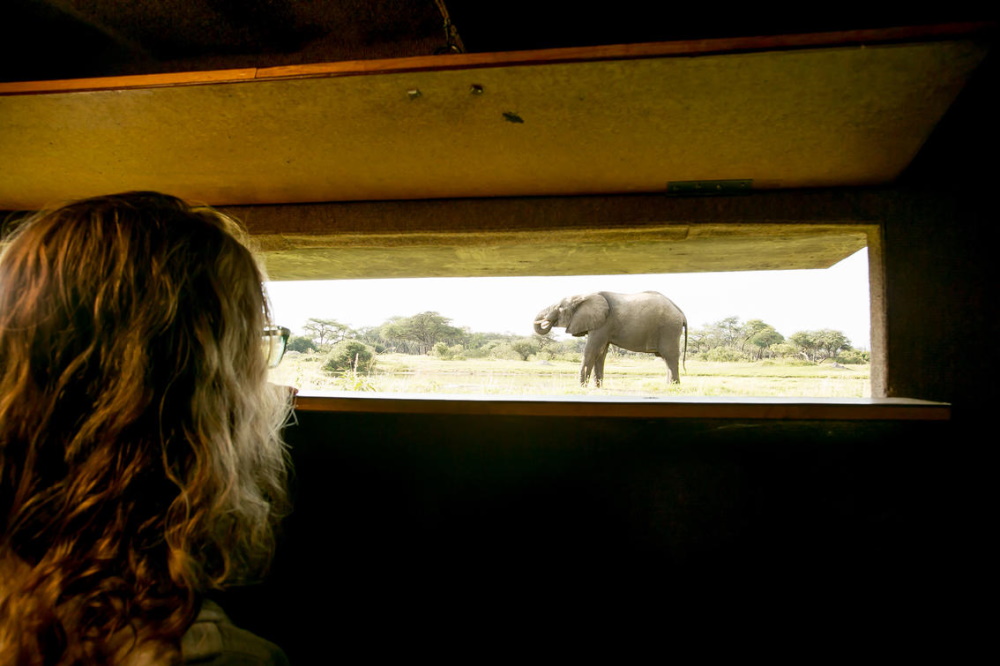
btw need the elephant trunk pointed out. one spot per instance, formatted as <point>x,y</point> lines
<point>543,326</point>
<point>542,323</point>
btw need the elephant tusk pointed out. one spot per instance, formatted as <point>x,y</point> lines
<point>543,323</point>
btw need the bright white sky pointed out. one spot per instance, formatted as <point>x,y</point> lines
<point>790,301</point>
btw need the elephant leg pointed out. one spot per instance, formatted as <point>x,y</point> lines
<point>586,368</point>
<point>672,376</point>
<point>599,366</point>
<point>671,356</point>
<point>592,359</point>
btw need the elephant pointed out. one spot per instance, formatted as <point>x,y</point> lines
<point>643,322</point>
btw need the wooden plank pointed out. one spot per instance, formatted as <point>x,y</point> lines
<point>785,409</point>
<point>128,82</point>
<point>680,249</point>
<point>685,48</point>
<point>559,235</point>
<point>819,211</point>
<point>786,119</point>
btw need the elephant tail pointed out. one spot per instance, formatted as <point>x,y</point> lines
<point>684,361</point>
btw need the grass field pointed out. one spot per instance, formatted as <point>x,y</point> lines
<point>400,373</point>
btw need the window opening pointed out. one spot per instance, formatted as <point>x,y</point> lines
<point>788,333</point>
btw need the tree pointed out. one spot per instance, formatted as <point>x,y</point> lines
<point>817,345</point>
<point>746,332</point>
<point>298,343</point>
<point>806,343</point>
<point>723,333</point>
<point>525,347</point>
<point>371,335</point>
<point>832,342</point>
<point>730,331</point>
<point>735,341</point>
<point>699,341</point>
<point>349,355</point>
<point>419,333</point>
<point>325,332</point>
<point>763,339</point>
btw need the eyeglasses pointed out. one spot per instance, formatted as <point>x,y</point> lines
<point>273,343</point>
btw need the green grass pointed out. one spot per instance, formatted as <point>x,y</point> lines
<point>399,373</point>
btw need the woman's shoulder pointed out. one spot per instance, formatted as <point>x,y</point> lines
<point>213,640</point>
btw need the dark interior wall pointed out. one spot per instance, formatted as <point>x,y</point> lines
<point>940,235</point>
<point>940,294</point>
<point>492,530</point>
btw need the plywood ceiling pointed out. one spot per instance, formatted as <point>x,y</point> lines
<point>584,121</point>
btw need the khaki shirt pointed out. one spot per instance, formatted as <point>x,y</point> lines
<point>213,640</point>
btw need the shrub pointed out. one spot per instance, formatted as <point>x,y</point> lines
<point>297,343</point>
<point>783,349</point>
<point>350,355</point>
<point>446,353</point>
<point>505,352</point>
<point>544,355</point>
<point>476,352</point>
<point>854,356</point>
<point>524,347</point>
<point>723,354</point>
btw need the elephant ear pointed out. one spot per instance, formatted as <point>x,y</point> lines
<point>591,313</point>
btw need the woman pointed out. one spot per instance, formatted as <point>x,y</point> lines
<point>141,463</point>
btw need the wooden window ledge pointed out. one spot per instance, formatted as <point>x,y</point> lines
<point>794,409</point>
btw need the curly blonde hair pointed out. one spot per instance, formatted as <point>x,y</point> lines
<point>141,460</point>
